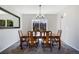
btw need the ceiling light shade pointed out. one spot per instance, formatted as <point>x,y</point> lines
<point>40,15</point>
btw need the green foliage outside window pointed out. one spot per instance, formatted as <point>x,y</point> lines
<point>2,23</point>
<point>9,23</point>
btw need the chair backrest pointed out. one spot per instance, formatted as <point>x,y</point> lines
<point>30,34</point>
<point>31,38</point>
<point>20,33</point>
<point>47,39</point>
<point>34,33</point>
<point>50,33</point>
<point>43,33</point>
<point>38,33</point>
<point>59,32</point>
<point>47,36</point>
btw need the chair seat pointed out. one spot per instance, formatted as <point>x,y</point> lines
<point>56,40</point>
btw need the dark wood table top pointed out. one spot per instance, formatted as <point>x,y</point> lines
<point>41,36</point>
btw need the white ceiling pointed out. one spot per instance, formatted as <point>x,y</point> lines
<point>34,9</point>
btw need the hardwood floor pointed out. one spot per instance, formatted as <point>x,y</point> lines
<point>15,49</point>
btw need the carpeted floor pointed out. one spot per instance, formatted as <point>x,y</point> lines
<point>15,49</point>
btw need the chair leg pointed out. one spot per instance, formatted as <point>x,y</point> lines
<point>59,44</point>
<point>21,43</point>
<point>51,47</point>
<point>42,45</point>
<point>36,45</point>
<point>29,45</point>
<point>21,46</point>
<point>52,44</point>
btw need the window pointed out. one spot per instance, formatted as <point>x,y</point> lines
<point>39,25</point>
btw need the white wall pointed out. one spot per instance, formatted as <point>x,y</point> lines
<point>52,22</point>
<point>70,28</point>
<point>27,22</point>
<point>8,36</point>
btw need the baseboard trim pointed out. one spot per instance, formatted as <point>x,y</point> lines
<point>71,46</point>
<point>7,46</point>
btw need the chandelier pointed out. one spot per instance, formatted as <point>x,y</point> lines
<point>40,15</point>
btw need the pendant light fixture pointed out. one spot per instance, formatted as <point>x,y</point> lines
<point>40,15</point>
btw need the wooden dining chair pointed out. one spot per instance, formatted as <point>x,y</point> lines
<point>47,41</point>
<point>57,39</point>
<point>32,42</point>
<point>22,39</point>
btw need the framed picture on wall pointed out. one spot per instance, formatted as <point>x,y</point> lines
<point>9,23</point>
<point>6,23</point>
<point>2,23</point>
<point>8,20</point>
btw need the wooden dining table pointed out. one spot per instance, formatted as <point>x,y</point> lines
<point>51,37</point>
